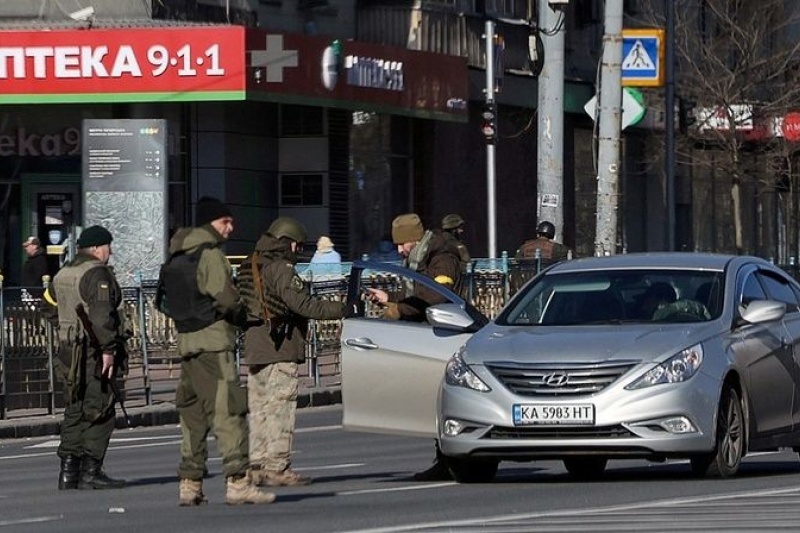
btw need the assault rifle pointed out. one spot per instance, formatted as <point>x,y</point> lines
<point>95,342</point>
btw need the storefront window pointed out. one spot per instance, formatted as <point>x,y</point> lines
<point>380,177</point>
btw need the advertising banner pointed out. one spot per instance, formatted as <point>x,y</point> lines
<point>205,63</point>
<point>116,65</point>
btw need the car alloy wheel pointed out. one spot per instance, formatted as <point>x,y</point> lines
<point>727,456</point>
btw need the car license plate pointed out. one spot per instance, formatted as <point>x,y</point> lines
<point>552,413</point>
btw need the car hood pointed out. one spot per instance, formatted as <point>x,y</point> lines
<point>583,344</point>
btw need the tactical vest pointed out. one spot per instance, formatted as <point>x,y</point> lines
<point>67,286</point>
<point>179,296</point>
<point>268,298</point>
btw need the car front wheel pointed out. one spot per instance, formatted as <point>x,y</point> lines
<point>724,461</point>
<point>472,470</point>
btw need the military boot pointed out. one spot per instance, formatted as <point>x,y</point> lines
<point>191,493</point>
<point>70,472</point>
<point>93,477</point>
<point>241,490</point>
<point>283,478</point>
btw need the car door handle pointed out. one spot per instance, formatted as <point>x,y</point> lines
<point>363,342</point>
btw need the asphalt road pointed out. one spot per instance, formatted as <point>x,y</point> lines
<point>363,483</point>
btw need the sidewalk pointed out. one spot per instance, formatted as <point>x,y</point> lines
<point>24,423</point>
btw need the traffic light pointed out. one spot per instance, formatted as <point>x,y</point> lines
<point>489,122</point>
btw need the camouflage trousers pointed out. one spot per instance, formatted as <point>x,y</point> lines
<point>272,398</point>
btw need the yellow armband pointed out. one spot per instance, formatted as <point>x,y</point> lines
<point>444,280</point>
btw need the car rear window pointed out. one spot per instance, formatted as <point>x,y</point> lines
<point>625,296</point>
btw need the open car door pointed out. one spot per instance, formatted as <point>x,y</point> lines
<point>392,369</point>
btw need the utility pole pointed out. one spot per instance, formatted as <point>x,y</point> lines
<point>550,131</point>
<point>669,103</point>
<point>490,132</point>
<point>610,129</point>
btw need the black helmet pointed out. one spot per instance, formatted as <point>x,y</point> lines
<point>547,229</point>
<point>452,221</point>
<point>289,228</point>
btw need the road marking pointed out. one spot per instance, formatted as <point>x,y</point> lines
<point>317,428</point>
<point>331,467</point>
<point>54,443</point>
<point>397,489</point>
<point>485,521</point>
<point>35,520</point>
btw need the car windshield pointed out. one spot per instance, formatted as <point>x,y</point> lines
<point>624,296</point>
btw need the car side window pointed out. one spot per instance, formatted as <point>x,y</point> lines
<point>751,290</point>
<point>779,290</point>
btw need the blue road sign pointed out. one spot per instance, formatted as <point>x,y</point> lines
<point>642,51</point>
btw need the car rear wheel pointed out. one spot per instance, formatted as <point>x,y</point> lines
<point>725,460</point>
<point>586,467</point>
<point>472,470</point>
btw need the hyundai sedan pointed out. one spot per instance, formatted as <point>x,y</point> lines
<point>654,356</point>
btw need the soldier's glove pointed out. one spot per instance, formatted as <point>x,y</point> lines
<point>238,317</point>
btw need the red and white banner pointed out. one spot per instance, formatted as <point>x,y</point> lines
<point>54,65</point>
<point>196,63</point>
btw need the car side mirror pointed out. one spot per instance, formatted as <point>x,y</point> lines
<point>450,317</point>
<point>760,311</point>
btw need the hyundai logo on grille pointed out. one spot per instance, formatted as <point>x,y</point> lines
<point>557,379</point>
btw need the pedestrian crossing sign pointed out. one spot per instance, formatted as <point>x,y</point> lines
<point>643,57</point>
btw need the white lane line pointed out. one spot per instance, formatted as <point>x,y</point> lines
<point>318,428</point>
<point>35,520</point>
<point>454,524</point>
<point>331,467</point>
<point>397,489</point>
<point>54,442</point>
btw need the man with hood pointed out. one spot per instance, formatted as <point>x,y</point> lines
<point>279,305</point>
<point>200,296</point>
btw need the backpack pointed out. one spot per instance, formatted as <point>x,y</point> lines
<point>178,296</point>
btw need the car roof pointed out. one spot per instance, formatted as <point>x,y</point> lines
<point>687,260</point>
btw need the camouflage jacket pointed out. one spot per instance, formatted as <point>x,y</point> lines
<point>288,299</point>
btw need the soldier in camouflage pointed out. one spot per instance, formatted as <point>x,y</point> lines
<point>279,306</point>
<point>453,230</point>
<point>88,361</point>
<point>208,396</point>
<point>548,249</point>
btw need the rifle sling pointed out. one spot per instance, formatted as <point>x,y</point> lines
<point>259,287</point>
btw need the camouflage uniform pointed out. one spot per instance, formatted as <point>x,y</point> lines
<point>548,249</point>
<point>273,349</point>
<point>682,311</point>
<point>89,415</point>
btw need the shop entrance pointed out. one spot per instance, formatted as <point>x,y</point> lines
<point>51,208</point>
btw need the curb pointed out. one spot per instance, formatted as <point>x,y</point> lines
<point>159,415</point>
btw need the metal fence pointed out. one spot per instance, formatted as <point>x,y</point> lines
<point>28,339</point>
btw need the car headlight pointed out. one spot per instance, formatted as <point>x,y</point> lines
<point>678,368</point>
<point>458,374</point>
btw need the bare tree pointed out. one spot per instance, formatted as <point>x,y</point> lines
<point>738,68</point>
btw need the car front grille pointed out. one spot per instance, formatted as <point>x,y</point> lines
<point>550,380</point>
<point>559,432</point>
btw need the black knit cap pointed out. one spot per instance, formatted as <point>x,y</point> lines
<point>208,210</point>
<point>94,236</point>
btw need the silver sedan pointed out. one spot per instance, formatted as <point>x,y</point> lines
<point>631,356</point>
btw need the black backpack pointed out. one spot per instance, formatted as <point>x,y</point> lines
<point>178,296</point>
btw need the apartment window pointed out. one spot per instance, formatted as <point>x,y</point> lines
<point>302,190</point>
